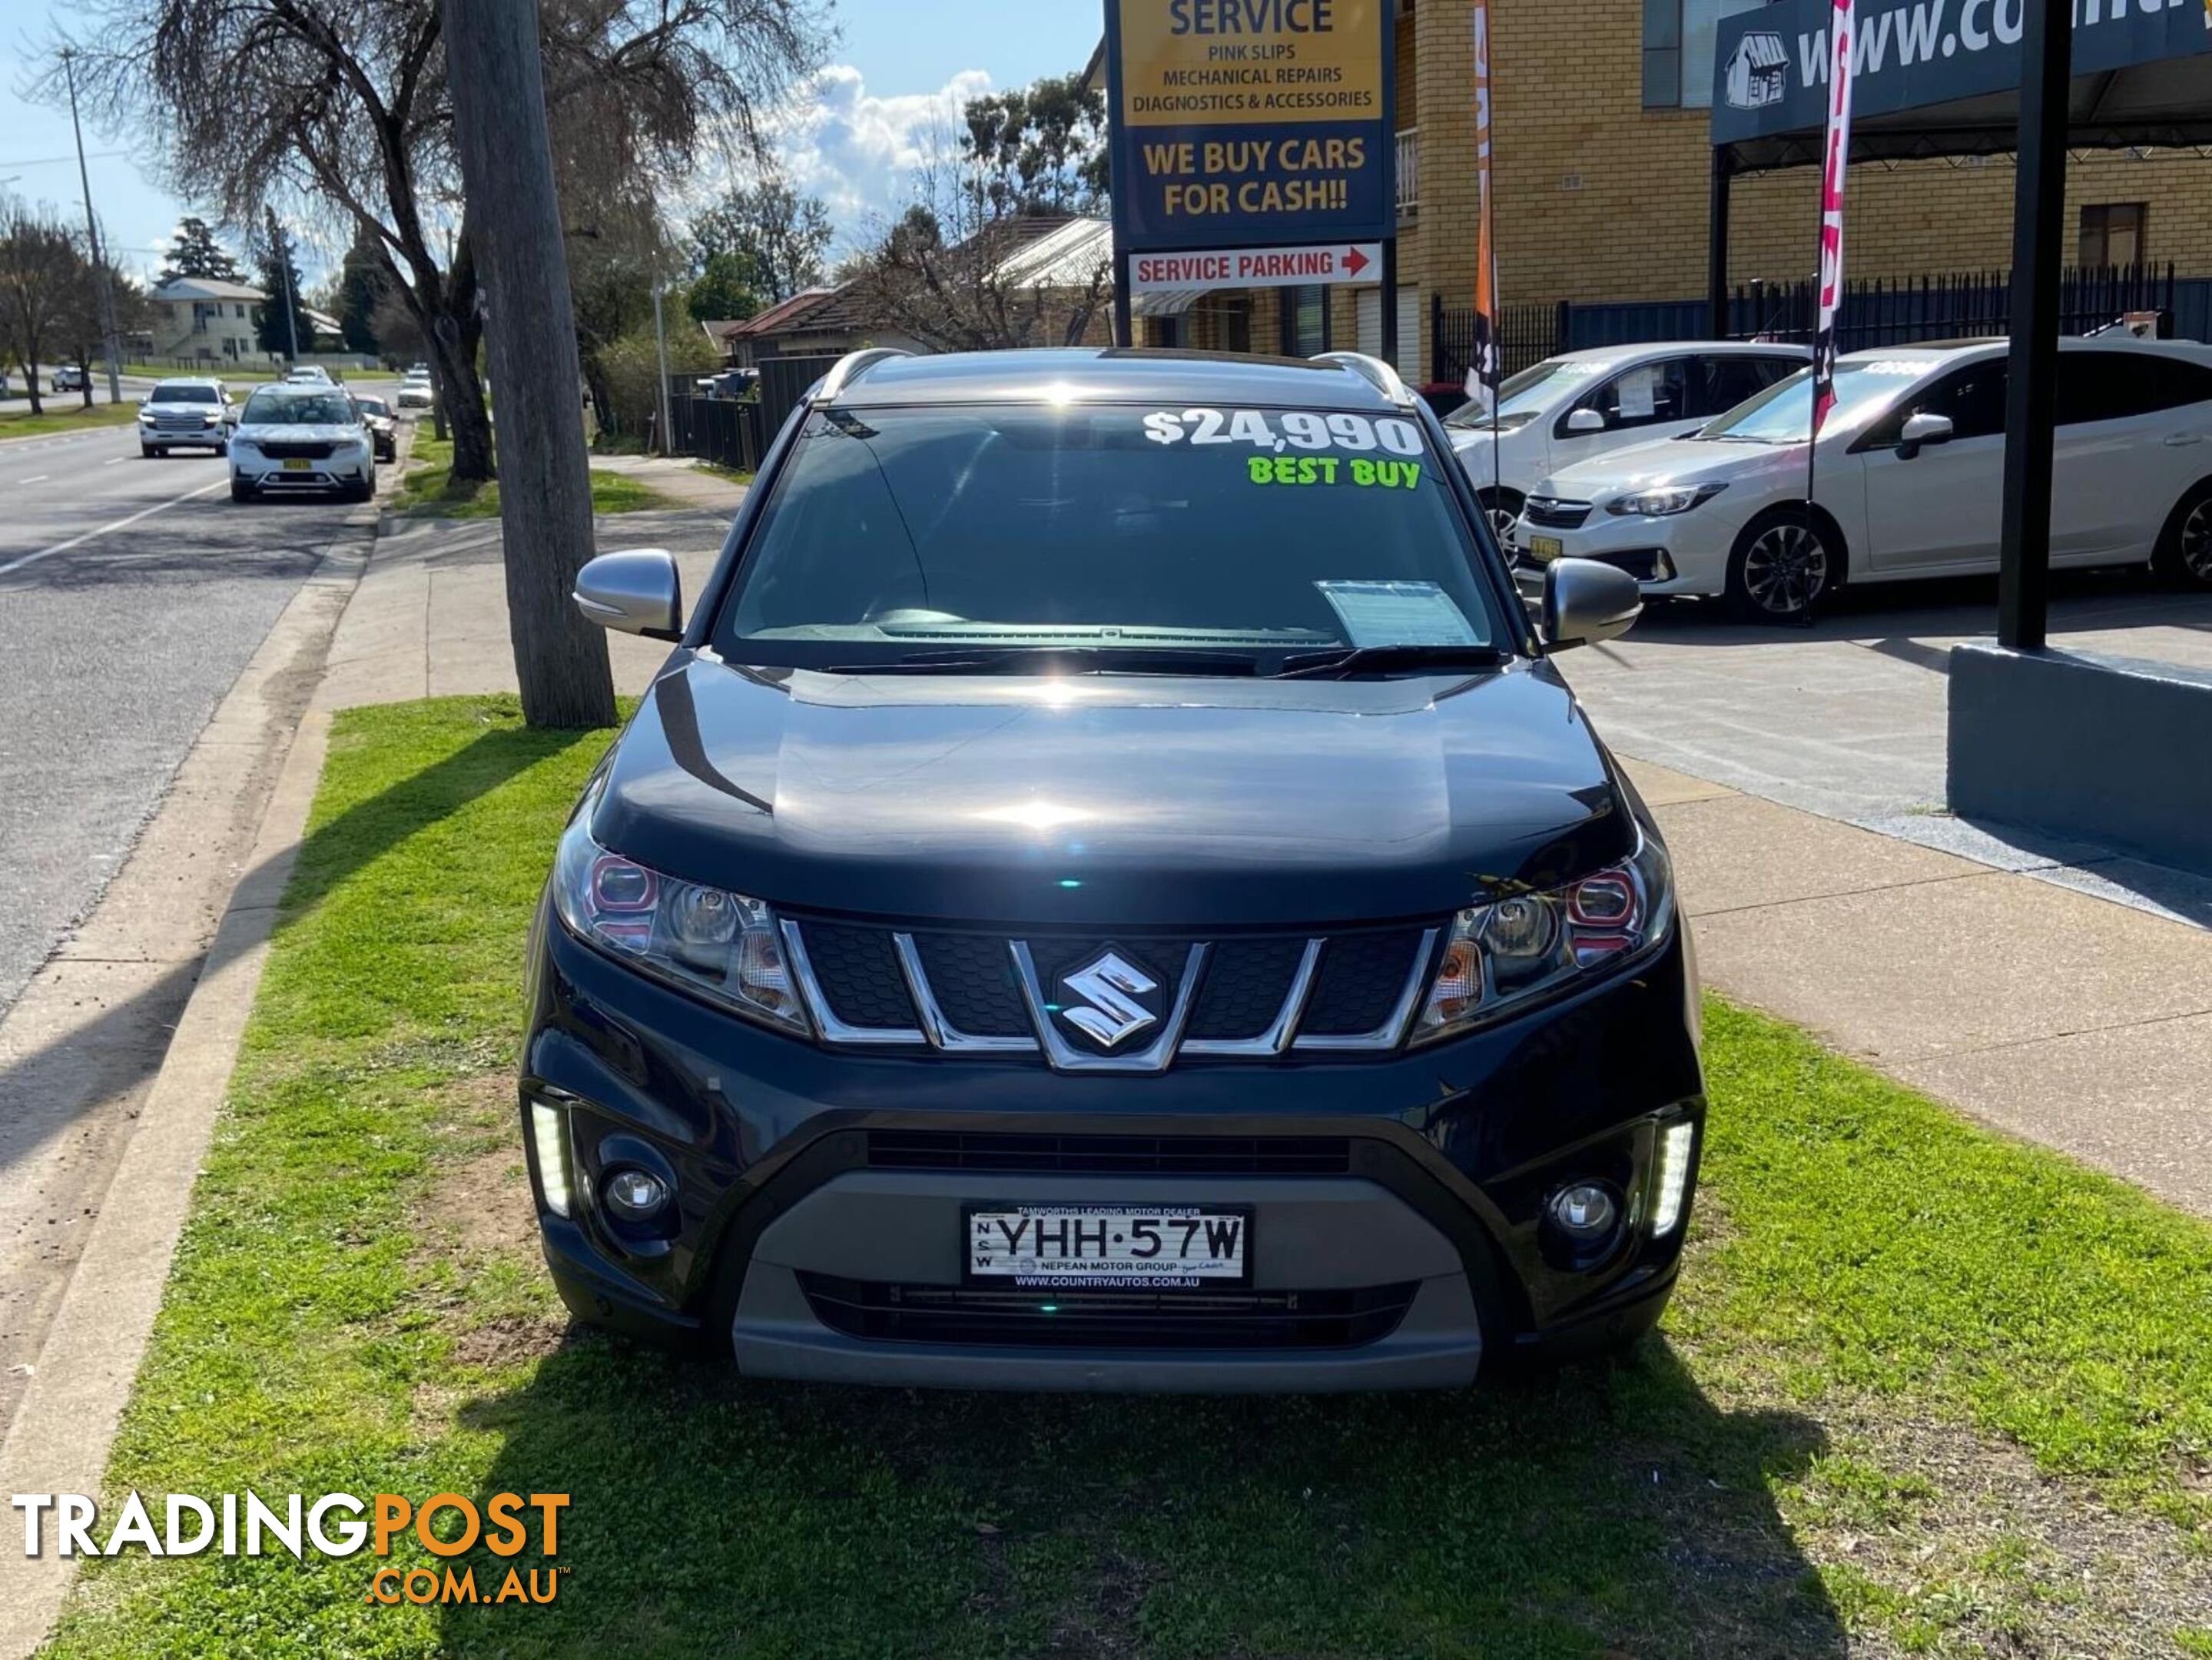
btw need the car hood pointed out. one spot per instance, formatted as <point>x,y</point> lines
<point>1112,801</point>
<point>335,433</point>
<point>1671,461</point>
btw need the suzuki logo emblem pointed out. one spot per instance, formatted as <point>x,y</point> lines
<point>1109,1010</point>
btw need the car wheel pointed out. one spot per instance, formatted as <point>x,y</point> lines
<point>1503,508</point>
<point>148,451</point>
<point>2185,546</point>
<point>240,491</point>
<point>1782,567</point>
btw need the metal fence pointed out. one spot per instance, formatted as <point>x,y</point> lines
<point>1878,312</point>
<point>736,432</point>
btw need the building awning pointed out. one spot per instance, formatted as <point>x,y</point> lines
<point>1165,302</point>
<point>1934,79</point>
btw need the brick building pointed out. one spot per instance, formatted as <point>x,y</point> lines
<point>1601,112</point>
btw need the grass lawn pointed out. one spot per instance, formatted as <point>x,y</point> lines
<point>1925,1390</point>
<point>229,373</point>
<point>65,414</point>
<point>429,490</point>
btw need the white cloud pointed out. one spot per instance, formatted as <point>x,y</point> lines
<point>857,151</point>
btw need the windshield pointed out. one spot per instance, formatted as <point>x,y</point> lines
<point>299,409</point>
<point>1525,396</point>
<point>373,405</point>
<point>896,533</point>
<point>1782,414</point>
<point>184,395</point>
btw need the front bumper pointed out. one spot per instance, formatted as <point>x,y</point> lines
<point>353,471</point>
<point>1681,554</point>
<point>1397,1204</point>
<point>195,437</point>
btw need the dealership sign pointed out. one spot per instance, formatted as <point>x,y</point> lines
<point>1256,268</point>
<point>1246,124</point>
<point>1771,63</point>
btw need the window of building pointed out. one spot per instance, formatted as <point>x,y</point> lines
<point>1680,39</point>
<point>1305,320</point>
<point>2113,234</point>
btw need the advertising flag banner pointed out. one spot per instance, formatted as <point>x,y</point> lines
<point>1835,164</point>
<point>1244,124</point>
<point>1486,361</point>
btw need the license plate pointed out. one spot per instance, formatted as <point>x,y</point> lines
<point>298,467</point>
<point>1546,547</point>
<point>1108,1245</point>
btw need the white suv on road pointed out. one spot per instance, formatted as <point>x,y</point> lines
<point>301,438</point>
<point>185,413</point>
<point>1908,479</point>
<point>1584,403</point>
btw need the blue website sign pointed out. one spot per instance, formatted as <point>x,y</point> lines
<point>1771,69</point>
<point>1251,123</point>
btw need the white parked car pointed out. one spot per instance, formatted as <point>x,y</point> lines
<point>1908,479</point>
<point>309,374</point>
<point>416,391</point>
<point>1583,404</point>
<point>301,438</point>
<point>185,413</point>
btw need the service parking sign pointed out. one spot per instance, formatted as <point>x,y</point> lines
<point>1240,123</point>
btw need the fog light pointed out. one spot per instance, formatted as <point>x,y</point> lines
<point>1585,1212</point>
<point>552,1156</point>
<point>634,1194</point>
<point>1672,1184</point>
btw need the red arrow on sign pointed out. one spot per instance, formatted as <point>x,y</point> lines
<point>1356,262</point>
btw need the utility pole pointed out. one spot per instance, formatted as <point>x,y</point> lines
<point>498,88</point>
<point>280,252</point>
<point>114,346</point>
<point>660,351</point>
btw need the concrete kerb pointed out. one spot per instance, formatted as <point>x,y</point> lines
<point>61,1433</point>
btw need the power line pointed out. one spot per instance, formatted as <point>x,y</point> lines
<point>55,161</point>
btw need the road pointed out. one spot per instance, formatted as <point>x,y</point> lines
<point>131,594</point>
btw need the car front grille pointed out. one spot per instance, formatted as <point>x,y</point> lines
<point>1552,513</point>
<point>1257,997</point>
<point>1109,1155</point>
<point>296,450</point>
<point>883,1311</point>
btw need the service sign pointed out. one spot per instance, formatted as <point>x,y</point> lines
<point>1256,268</point>
<point>1251,123</point>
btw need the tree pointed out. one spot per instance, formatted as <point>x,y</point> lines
<point>1040,150</point>
<point>194,252</point>
<point>280,283</point>
<point>41,276</point>
<point>360,286</point>
<point>80,337</point>
<point>346,103</point>
<point>723,288</point>
<point>765,235</point>
<point>960,270</point>
<point>507,160</point>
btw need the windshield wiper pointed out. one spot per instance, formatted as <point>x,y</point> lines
<point>1383,659</point>
<point>1071,660</point>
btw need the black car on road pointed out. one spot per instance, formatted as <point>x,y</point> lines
<point>1110,890</point>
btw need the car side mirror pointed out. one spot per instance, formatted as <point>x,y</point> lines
<point>638,591</point>
<point>1586,601</point>
<point>1583,420</point>
<point>1920,430</point>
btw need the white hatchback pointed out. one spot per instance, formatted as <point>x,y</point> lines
<point>1909,476</point>
<point>1584,403</point>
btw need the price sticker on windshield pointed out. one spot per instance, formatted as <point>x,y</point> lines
<point>1285,431</point>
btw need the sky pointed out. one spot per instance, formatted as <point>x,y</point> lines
<point>898,68</point>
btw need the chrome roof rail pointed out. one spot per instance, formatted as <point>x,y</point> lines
<point>1373,370</point>
<point>850,367</point>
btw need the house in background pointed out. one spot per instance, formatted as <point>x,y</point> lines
<point>814,323</point>
<point>208,320</point>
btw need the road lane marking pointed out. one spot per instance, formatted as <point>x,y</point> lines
<point>35,478</point>
<point>79,541</point>
<point>117,462</point>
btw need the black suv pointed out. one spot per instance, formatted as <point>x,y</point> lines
<point>1108,890</point>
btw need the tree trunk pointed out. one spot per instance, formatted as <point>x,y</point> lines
<point>514,221</point>
<point>31,377</point>
<point>84,369</point>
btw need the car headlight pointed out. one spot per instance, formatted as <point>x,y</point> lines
<point>1502,955</point>
<point>147,415</point>
<point>1663,503</point>
<point>718,946</point>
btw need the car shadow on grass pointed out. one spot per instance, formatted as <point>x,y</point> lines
<point>1592,1511</point>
